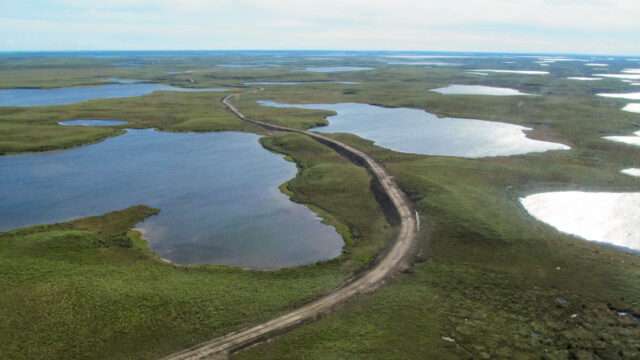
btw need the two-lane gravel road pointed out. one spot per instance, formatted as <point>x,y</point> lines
<point>397,257</point>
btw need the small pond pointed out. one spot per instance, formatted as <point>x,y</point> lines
<point>337,68</point>
<point>92,122</point>
<point>612,218</point>
<point>478,90</point>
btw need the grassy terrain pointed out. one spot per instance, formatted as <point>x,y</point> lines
<point>489,277</point>
<point>499,283</point>
<point>90,288</point>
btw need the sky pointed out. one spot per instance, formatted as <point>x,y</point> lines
<point>523,26</point>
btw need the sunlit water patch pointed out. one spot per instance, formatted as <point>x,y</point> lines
<point>523,72</point>
<point>632,140</point>
<point>634,107</point>
<point>620,76</point>
<point>478,90</point>
<point>337,68</point>
<point>612,218</point>
<point>417,131</point>
<point>630,96</point>
<point>582,78</point>
<point>422,63</point>
<point>92,122</point>
<point>632,172</point>
<point>59,96</point>
<point>218,194</point>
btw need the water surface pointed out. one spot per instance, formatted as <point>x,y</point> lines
<point>82,122</point>
<point>524,72</point>
<point>59,96</point>
<point>337,68</point>
<point>478,90</point>
<point>620,76</point>
<point>632,172</point>
<point>612,218</point>
<point>583,78</point>
<point>218,195</point>
<point>632,140</point>
<point>417,131</point>
<point>630,96</point>
<point>634,107</point>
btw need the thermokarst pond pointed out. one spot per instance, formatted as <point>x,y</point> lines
<point>417,131</point>
<point>92,122</point>
<point>478,90</point>
<point>217,192</point>
<point>59,96</point>
<point>612,218</point>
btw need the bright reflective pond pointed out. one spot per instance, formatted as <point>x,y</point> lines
<point>218,194</point>
<point>417,131</point>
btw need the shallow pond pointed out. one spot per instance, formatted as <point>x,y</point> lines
<point>631,140</point>
<point>635,107</point>
<point>630,96</point>
<point>92,122</point>
<point>337,68</point>
<point>523,72</point>
<point>612,218</point>
<point>59,96</point>
<point>218,194</point>
<point>632,172</point>
<point>583,78</point>
<point>417,131</point>
<point>478,90</point>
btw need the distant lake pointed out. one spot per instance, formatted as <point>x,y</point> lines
<point>92,122</point>
<point>417,131</point>
<point>523,72</point>
<point>59,96</point>
<point>337,68</point>
<point>478,90</point>
<point>612,218</point>
<point>218,194</point>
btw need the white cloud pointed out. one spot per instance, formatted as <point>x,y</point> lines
<point>592,26</point>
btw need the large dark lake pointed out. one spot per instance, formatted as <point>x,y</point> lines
<point>218,195</point>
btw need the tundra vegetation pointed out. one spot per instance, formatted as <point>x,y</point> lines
<point>489,282</point>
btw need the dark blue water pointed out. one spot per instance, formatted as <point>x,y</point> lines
<point>217,193</point>
<point>91,122</point>
<point>38,97</point>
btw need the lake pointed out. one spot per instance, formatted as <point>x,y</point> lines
<point>632,172</point>
<point>629,96</point>
<point>631,140</point>
<point>59,96</point>
<point>82,122</point>
<point>523,72</point>
<point>478,90</point>
<point>218,194</point>
<point>420,132</point>
<point>337,68</point>
<point>612,218</point>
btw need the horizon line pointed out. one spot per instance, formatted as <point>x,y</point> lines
<point>316,50</point>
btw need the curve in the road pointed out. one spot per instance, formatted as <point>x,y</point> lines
<point>397,257</point>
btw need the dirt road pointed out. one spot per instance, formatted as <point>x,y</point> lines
<point>397,257</point>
